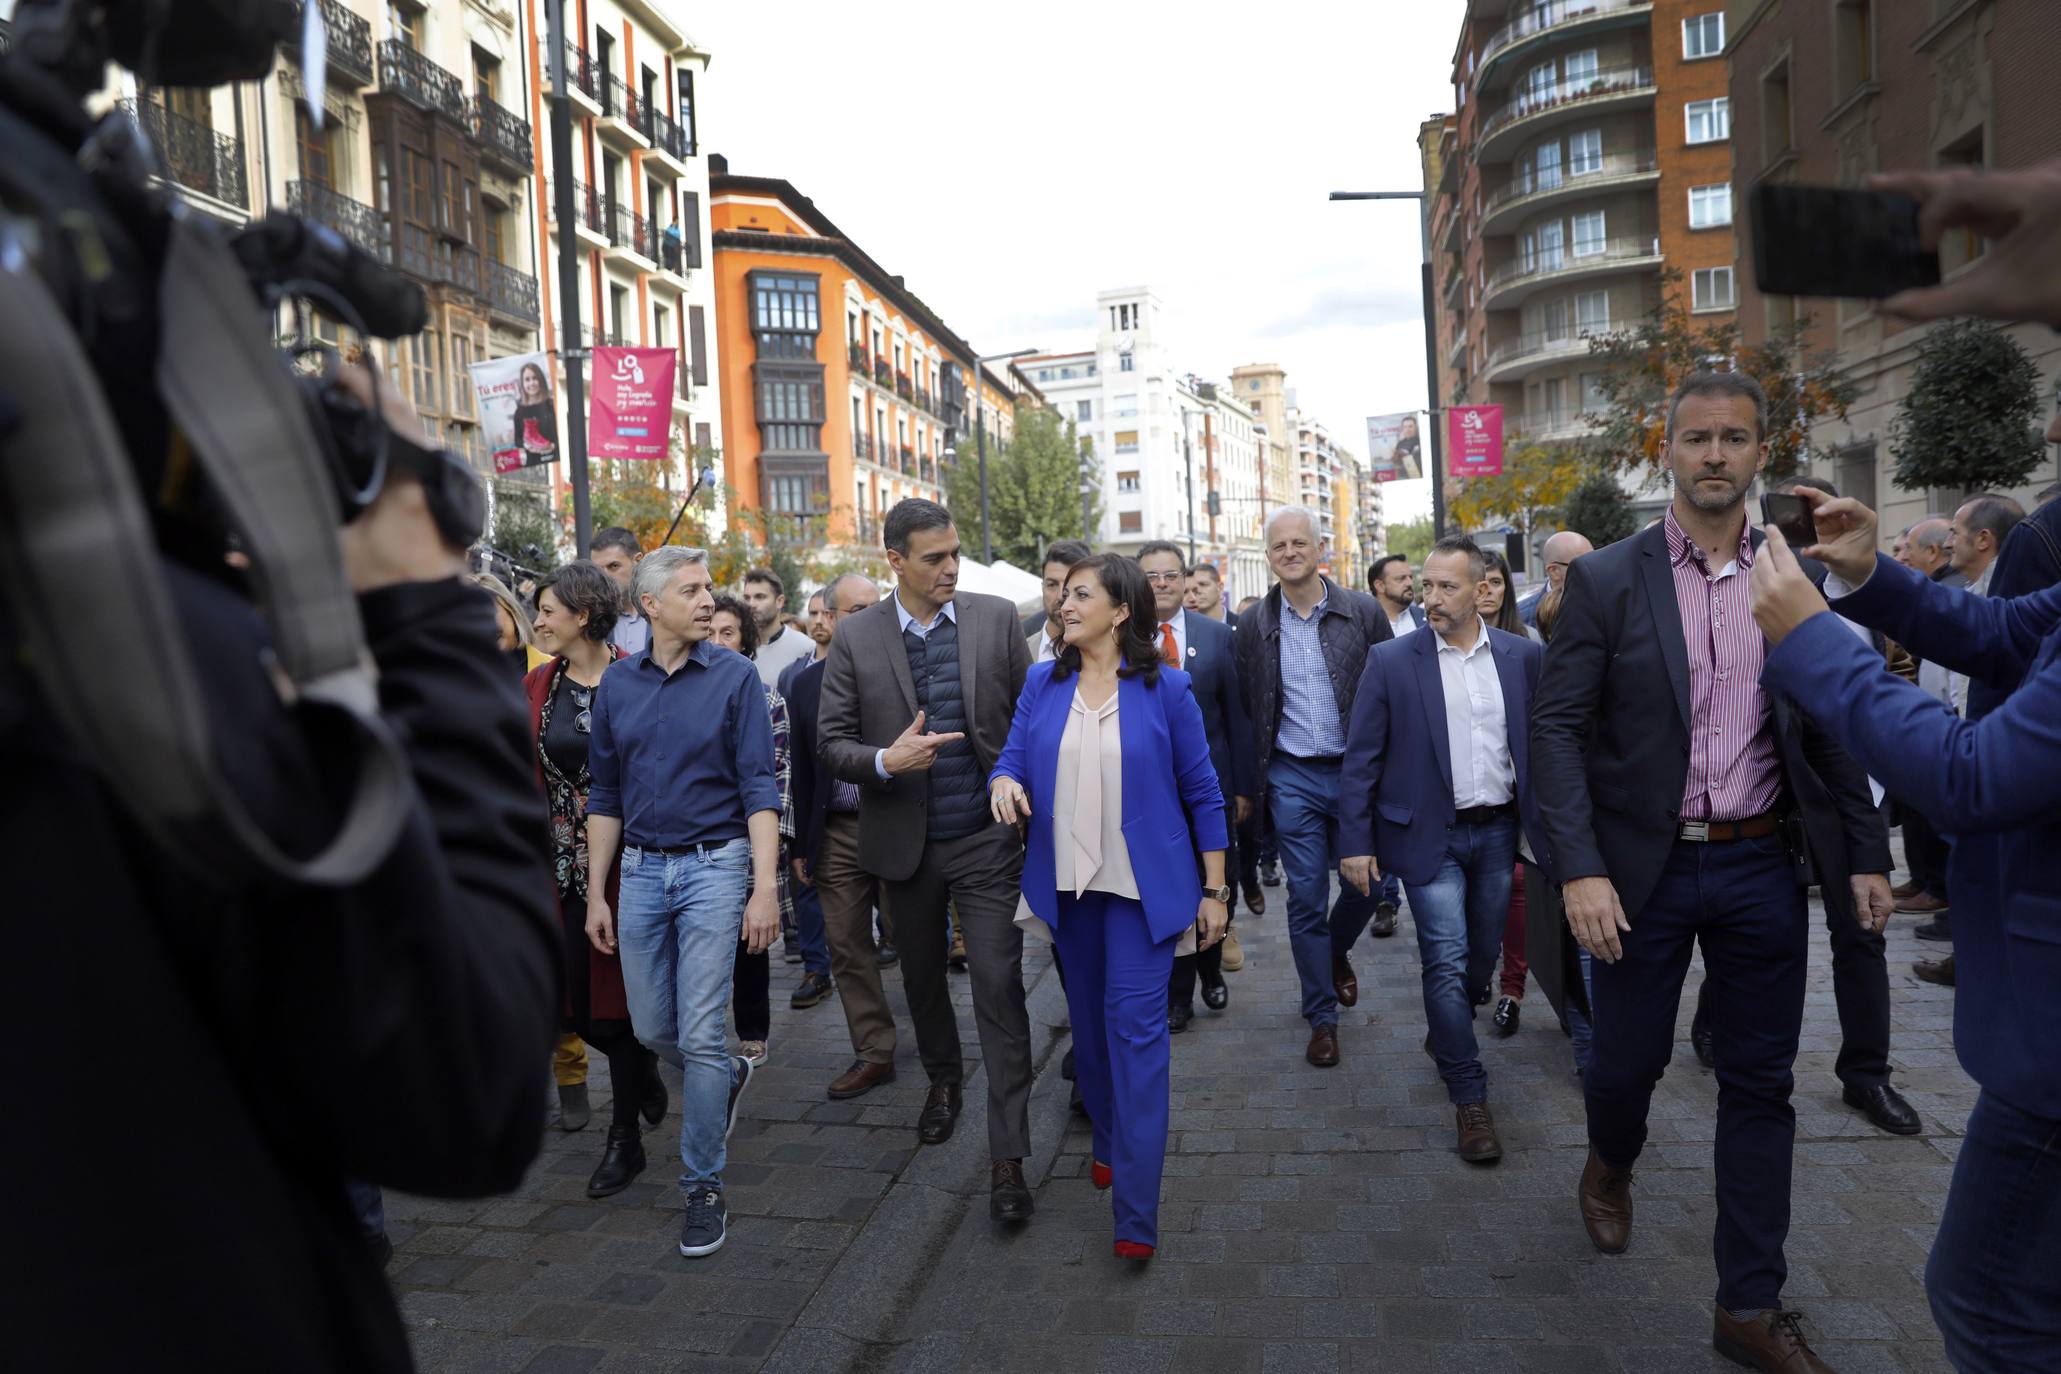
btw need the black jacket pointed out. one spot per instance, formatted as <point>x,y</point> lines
<point>1353,623</point>
<point>809,783</point>
<point>2029,562</point>
<point>1610,736</point>
<point>228,1058</point>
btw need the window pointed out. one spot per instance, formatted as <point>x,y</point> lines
<point>1538,84</point>
<point>1703,35</point>
<point>1123,363</point>
<point>1853,44</point>
<point>486,74</point>
<point>1127,441</point>
<point>1130,522</point>
<point>1553,321</point>
<point>1710,121</point>
<point>1592,312</point>
<point>461,376</point>
<point>1959,247</point>
<point>1710,206</point>
<point>1588,234</point>
<point>1592,393</point>
<point>1777,116</point>
<point>1084,411</point>
<point>1585,152</point>
<point>661,326</point>
<point>790,406</point>
<point>1712,288</point>
<point>785,315</point>
<point>1546,162</point>
<point>495,228</point>
<point>317,148</point>
<point>1553,393</point>
<point>1578,71</point>
<point>453,203</point>
<point>687,108</point>
<point>1552,239</point>
<point>1127,482</point>
<point>1127,405</point>
<point>407,23</point>
<point>421,192</point>
<point>619,313</point>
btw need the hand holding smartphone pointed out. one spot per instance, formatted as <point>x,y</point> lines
<point>1791,514</point>
<point>1837,241</point>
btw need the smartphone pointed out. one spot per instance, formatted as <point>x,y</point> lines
<point>1790,514</point>
<point>1835,241</point>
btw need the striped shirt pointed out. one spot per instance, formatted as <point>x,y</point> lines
<point>1310,727</point>
<point>1734,771</point>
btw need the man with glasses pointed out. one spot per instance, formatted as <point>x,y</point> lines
<point>1560,550</point>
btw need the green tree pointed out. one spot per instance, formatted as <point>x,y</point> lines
<point>1412,539</point>
<point>523,522</point>
<point>1535,480</point>
<point>1971,420</point>
<point>1034,489</point>
<point>1598,508</point>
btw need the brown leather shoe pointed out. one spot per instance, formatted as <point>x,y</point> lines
<point>1904,891</point>
<point>1323,1050</point>
<point>1772,1341</point>
<point>1478,1143</point>
<point>1606,1199</point>
<point>1255,900</point>
<point>1940,971</point>
<point>1924,904</point>
<point>861,1078</point>
<point>1343,981</point>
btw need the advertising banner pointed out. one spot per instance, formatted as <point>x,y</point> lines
<point>631,415</point>
<point>1475,441</point>
<point>1395,450</point>
<point>517,412</point>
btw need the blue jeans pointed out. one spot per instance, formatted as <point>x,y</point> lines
<point>1994,1277</point>
<point>808,924</point>
<point>677,926</point>
<point>1303,796</point>
<point>1459,916</point>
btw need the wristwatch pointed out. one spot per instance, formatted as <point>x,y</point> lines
<point>1218,894</point>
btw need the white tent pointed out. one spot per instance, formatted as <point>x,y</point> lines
<point>1004,579</point>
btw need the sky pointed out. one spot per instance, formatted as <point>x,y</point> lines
<point>1012,160</point>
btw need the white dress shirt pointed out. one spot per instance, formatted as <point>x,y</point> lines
<point>1957,684</point>
<point>1400,625</point>
<point>949,611</point>
<point>1476,728</point>
<point>1048,647</point>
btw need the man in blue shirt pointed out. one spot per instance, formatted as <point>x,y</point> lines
<point>683,783</point>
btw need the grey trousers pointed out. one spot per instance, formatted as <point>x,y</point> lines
<point>848,894</point>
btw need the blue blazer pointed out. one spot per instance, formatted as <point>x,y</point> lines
<point>1397,780</point>
<point>1993,784</point>
<point>1173,803</point>
<point>1213,677</point>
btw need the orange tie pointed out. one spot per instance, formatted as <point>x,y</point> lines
<point>1168,650</point>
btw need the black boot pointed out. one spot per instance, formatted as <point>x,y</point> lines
<point>652,1102</point>
<point>621,1162</point>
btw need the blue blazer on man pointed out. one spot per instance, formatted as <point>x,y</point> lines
<point>1397,780</point>
<point>1213,676</point>
<point>1994,784</point>
<point>1173,805</point>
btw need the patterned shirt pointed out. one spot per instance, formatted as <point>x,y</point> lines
<point>1734,771</point>
<point>1310,727</point>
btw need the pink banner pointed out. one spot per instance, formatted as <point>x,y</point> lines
<point>631,412</point>
<point>1475,441</point>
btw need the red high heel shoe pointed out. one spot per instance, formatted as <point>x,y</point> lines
<point>1131,1249</point>
<point>1102,1174</point>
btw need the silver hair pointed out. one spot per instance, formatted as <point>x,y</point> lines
<point>1282,512</point>
<point>658,569</point>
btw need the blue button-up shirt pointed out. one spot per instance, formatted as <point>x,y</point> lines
<point>682,758</point>
<point>1310,727</point>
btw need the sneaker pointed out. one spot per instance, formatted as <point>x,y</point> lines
<point>753,1051</point>
<point>814,987</point>
<point>790,953</point>
<point>737,1087</point>
<point>706,1226</point>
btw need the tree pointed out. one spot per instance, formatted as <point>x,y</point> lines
<point>1643,365</point>
<point>1598,508</point>
<point>1971,419</point>
<point>1533,482</point>
<point>1412,539</point>
<point>524,527</point>
<point>1034,489</point>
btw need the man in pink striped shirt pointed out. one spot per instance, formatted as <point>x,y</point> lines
<point>1684,807</point>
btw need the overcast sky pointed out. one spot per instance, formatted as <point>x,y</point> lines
<point>1011,160</point>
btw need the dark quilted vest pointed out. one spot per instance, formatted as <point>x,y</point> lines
<point>958,793</point>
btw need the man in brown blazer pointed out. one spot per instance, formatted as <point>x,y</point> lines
<point>918,696</point>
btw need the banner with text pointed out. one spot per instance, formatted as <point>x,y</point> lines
<point>517,414</point>
<point>1474,445</point>
<point>1395,452</point>
<point>632,411</point>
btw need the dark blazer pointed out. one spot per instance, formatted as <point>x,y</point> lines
<point>1173,803</point>
<point>1993,783</point>
<point>1397,787</point>
<point>810,785</point>
<point>1610,736</point>
<point>2030,561</point>
<point>1353,623</point>
<point>1212,667</point>
<point>869,698</point>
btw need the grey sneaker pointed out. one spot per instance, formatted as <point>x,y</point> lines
<point>737,1086</point>
<point>705,1229</point>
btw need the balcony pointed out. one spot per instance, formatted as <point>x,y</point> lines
<point>193,155</point>
<point>512,293</point>
<point>421,82</point>
<point>429,257</point>
<point>672,252</point>
<point>1545,23</point>
<point>1530,112</point>
<point>668,139</point>
<point>354,219</point>
<point>347,48</point>
<point>858,358</point>
<point>588,223</point>
<point>923,401</point>
<point>1550,427</point>
<point>869,531</point>
<point>863,450</point>
<point>883,375</point>
<point>1532,192</point>
<point>504,140</point>
<point>683,384</point>
<point>1510,284</point>
<point>622,114</point>
<point>1515,359</point>
<point>908,461</point>
<point>633,236</point>
<point>583,79</point>
<point>905,388</point>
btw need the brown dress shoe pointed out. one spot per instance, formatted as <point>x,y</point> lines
<point>1940,971</point>
<point>1343,981</point>
<point>1772,1341</point>
<point>1606,1199</point>
<point>1478,1143</point>
<point>1255,900</point>
<point>861,1078</point>
<point>1903,891</point>
<point>1323,1050</point>
<point>1924,904</point>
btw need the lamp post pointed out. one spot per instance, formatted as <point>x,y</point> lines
<point>570,351</point>
<point>705,478</point>
<point>980,446</point>
<point>1437,472</point>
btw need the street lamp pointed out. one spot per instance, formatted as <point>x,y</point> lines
<point>1437,473</point>
<point>980,445</point>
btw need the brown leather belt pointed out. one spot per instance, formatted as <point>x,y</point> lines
<point>1718,832</point>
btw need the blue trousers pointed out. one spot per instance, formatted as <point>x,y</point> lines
<point>1740,901</point>
<point>808,925</point>
<point>1994,1276</point>
<point>1303,797</point>
<point>1460,915</point>
<point>1116,976</point>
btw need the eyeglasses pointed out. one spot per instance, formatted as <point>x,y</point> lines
<point>583,697</point>
<point>1164,578</point>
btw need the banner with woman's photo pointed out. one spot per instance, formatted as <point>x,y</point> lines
<point>1395,453</point>
<point>517,411</point>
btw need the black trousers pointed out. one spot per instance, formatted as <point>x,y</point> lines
<point>1925,853</point>
<point>751,992</point>
<point>631,1068</point>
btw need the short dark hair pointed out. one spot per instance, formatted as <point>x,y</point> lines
<point>1163,546</point>
<point>748,623</point>
<point>1380,565</point>
<point>1125,582</point>
<point>1247,603</point>
<point>1991,511</point>
<point>1805,479</point>
<point>614,537</point>
<point>581,586</point>
<point>908,516</point>
<point>768,577</point>
<point>1477,561</point>
<point>1711,382</point>
<point>1209,568</point>
<point>1067,551</point>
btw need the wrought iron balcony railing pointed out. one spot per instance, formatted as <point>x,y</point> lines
<point>193,155</point>
<point>421,82</point>
<point>511,292</point>
<point>501,133</point>
<point>347,44</point>
<point>354,219</point>
<point>586,208</point>
<point>628,229</point>
<point>665,135</point>
<point>863,450</point>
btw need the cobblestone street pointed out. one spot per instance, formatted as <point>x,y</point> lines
<point>1312,1219</point>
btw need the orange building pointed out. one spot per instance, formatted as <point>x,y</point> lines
<point>842,393</point>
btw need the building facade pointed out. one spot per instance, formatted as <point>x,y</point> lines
<point>1829,93</point>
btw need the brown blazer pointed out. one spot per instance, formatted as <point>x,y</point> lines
<point>869,698</point>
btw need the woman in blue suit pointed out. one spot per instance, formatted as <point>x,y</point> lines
<point>1108,762</point>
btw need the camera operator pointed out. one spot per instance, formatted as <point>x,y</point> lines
<point>231,1056</point>
<point>1994,1276</point>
